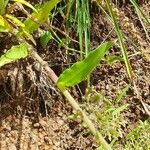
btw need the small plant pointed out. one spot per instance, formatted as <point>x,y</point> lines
<point>80,70</point>
<point>139,137</point>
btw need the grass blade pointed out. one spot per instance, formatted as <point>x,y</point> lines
<point>121,41</point>
<point>141,16</point>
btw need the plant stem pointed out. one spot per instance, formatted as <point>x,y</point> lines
<point>86,120</point>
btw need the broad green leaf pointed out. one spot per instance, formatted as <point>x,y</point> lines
<point>6,2</point>
<point>2,21</point>
<point>80,70</point>
<point>15,20</point>
<point>26,3</point>
<point>15,53</point>
<point>41,16</point>
<point>44,39</point>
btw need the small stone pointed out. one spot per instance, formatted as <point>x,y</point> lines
<point>43,123</point>
<point>7,128</point>
<point>36,125</point>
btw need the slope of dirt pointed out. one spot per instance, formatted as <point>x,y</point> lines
<point>33,113</point>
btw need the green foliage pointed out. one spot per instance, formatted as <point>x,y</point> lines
<point>4,25</point>
<point>83,25</point>
<point>26,28</point>
<point>15,20</point>
<point>26,3</point>
<point>40,16</point>
<point>118,110</point>
<point>139,137</point>
<point>139,11</point>
<point>44,39</point>
<point>109,116</point>
<point>112,59</point>
<point>15,53</point>
<point>141,16</point>
<point>122,93</point>
<point>80,70</point>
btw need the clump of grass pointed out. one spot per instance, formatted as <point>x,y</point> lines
<point>83,26</point>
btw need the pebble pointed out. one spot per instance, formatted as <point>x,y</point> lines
<point>36,125</point>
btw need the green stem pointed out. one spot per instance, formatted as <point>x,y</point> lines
<point>141,16</point>
<point>141,12</point>
<point>86,120</point>
<point>121,41</point>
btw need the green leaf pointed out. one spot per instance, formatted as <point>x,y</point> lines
<point>113,59</point>
<point>15,20</point>
<point>122,93</point>
<point>29,36</point>
<point>80,70</point>
<point>44,39</point>
<point>26,3</point>
<point>15,53</point>
<point>2,7</point>
<point>118,110</point>
<point>4,25</point>
<point>41,16</point>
